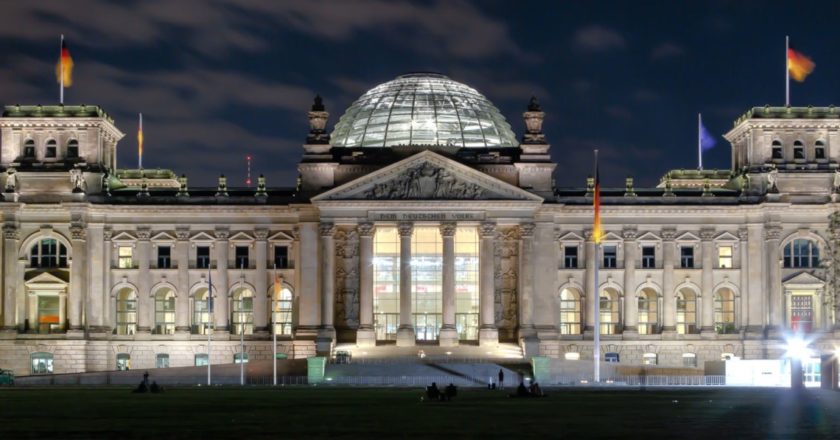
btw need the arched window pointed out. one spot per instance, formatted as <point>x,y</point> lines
<point>569,312</point>
<point>48,253</point>
<point>201,312</point>
<point>801,253</point>
<point>243,312</point>
<point>647,312</point>
<point>282,310</point>
<point>798,150</point>
<point>164,312</point>
<point>819,150</point>
<point>777,150</point>
<point>724,311</point>
<point>73,149</point>
<point>609,312</point>
<point>29,149</point>
<point>126,312</point>
<point>52,149</point>
<point>686,312</point>
<point>123,361</point>
<point>42,363</point>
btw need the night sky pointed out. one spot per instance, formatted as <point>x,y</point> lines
<point>217,80</point>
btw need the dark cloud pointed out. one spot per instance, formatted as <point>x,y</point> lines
<point>666,50</point>
<point>596,38</point>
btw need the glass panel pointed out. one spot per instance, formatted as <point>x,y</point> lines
<point>42,363</point>
<point>49,314</point>
<point>126,312</point>
<point>201,313</point>
<point>647,313</point>
<point>801,313</point>
<point>201,360</point>
<point>386,282</point>
<point>426,279</point>
<point>686,313</point>
<point>609,313</point>
<point>243,312</point>
<point>569,312</point>
<point>123,362</point>
<point>162,361</point>
<point>282,318</point>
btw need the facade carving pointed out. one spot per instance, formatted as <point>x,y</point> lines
<point>425,182</point>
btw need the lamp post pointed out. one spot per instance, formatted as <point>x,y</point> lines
<point>797,351</point>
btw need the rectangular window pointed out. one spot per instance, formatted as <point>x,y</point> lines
<point>202,257</point>
<point>51,152</point>
<point>777,153</point>
<point>123,362</point>
<point>689,360</point>
<point>281,257</point>
<point>725,257</point>
<point>648,257</point>
<point>240,358</point>
<point>819,153</point>
<point>201,360</point>
<point>426,282</point>
<point>610,257</point>
<point>42,363</point>
<point>386,283</point>
<point>29,151</point>
<point>612,357</point>
<point>126,259</point>
<point>570,257</point>
<point>687,257</point>
<point>241,258</point>
<point>164,260</point>
<point>799,153</point>
<point>162,361</point>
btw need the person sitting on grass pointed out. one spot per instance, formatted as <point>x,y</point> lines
<point>535,390</point>
<point>522,390</point>
<point>432,392</point>
<point>450,391</point>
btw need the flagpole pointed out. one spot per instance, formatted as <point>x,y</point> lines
<point>241,330</point>
<point>61,71</point>
<point>210,319</point>
<point>140,145</point>
<point>699,141</point>
<point>274,325</point>
<point>787,71</point>
<point>596,349</point>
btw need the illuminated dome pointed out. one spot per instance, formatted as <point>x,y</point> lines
<point>423,109</point>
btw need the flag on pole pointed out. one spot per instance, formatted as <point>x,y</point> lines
<point>707,141</point>
<point>799,65</point>
<point>140,143</point>
<point>596,204</point>
<point>64,67</point>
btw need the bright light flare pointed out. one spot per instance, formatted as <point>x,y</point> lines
<point>797,348</point>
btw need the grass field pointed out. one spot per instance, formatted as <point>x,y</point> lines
<point>294,413</point>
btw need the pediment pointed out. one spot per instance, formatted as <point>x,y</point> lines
<point>241,236</point>
<point>163,236</point>
<point>648,236</point>
<point>427,176</point>
<point>726,236</point>
<point>45,279</point>
<point>803,279</point>
<point>123,236</point>
<point>282,236</point>
<point>202,236</point>
<point>570,236</point>
<point>688,236</point>
<point>611,236</point>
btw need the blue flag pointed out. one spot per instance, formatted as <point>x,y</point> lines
<point>707,141</point>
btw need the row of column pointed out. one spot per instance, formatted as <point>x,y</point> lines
<point>488,333</point>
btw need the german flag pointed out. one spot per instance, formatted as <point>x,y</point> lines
<point>596,205</point>
<point>799,65</point>
<point>64,67</point>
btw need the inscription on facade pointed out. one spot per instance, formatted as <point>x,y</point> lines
<point>426,216</point>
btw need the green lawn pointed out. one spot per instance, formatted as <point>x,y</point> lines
<point>298,412</point>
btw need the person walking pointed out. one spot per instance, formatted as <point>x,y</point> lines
<point>501,379</point>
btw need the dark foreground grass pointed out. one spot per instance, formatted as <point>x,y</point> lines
<point>296,413</point>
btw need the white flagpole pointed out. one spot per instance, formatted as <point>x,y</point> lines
<point>61,70</point>
<point>211,320</point>
<point>274,325</point>
<point>241,330</point>
<point>787,71</point>
<point>596,349</point>
<point>700,141</point>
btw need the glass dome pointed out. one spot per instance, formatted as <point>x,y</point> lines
<point>423,109</point>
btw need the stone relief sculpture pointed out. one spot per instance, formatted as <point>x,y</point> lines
<point>11,180</point>
<point>836,181</point>
<point>506,264</point>
<point>425,181</point>
<point>347,278</point>
<point>77,178</point>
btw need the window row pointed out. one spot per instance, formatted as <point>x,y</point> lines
<point>44,363</point>
<point>51,150</point>
<point>241,257</point>
<point>688,359</point>
<point>798,151</point>
<point>609,257</point>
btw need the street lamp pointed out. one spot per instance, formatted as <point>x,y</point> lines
<point>797,351</point>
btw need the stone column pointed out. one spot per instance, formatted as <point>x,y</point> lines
<point>488,334</point>
<point>365,335</point>
<point>110,304</point>
<point>327,252</point>
<point>448,334</point>
<point>707,328</point>
<point>10,244</point>
<point>145,304</point>
<point>526,282</point>
<point>262,300</point>
<point>306,271</point>
<point>95,300</point>
<point>221,305</point>
<point>631,303</point>
<point>742,303</point>
<point>772,233</point>
<point>78,280</point>
<point>591,288</point>
<point>405,333</point>
<point>182,260</point>
<point>669,298</point>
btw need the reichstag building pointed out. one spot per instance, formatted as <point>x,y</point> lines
<point>419,220</point>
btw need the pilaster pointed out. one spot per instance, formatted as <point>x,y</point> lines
<point>448,334</point>
<point>261,299</point>
<point>591,289</point>
<point>669,300</point>
<point>326,334</point>
<point>488,334</point>
<point>11,236</point>
<point>145,306</point>
<point>182,306</point>
<point>405,332</point>
<point>631,303</point>
<point>707,329</point>
<point>366,335</point>
<point>772,235</point>
<point>526,281</point>
<point>221,285</point>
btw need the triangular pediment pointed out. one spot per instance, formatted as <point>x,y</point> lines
<point>570,236</point>
<point>241,236</point>
<point>45,279</point>
<point>123,236</point>
<point>202,236</point>
<point>163,236</point>
<point>427,176</point>
<point>282,236</point>
<point>726,236</point>
<point>803,279</point>
<point>611,236</point>
<point>648,236</point>
<point>688,236</point>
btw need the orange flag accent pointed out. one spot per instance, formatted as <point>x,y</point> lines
<point>64,67</point>
<point>799,65</point>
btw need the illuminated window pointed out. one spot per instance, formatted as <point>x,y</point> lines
<point>648,257</point>
<point>569,312</point>
<point>647,312</point>
<point>649,359</point>
<point>164,312</point>
<point>125,259</point>
<point>609,312</point>
<point>801,253</point>
<point>240,358</point>
<point>126,312</point>
<point>51,150</point>
<point>725,257</point>
<point>282,311</point>
<point>123,362</point>
<point>201,312</point>
<point>572,356</point>
<point>201,360</point>
<point>686,312</point>
<point>613,358</point>
<point>162,361</point>
<point>466,283</point>
<point>689,360</point>
<point>801,312</point>
<point>386,282</point>
<point>610,257</point>
<point>73,149</point>
<point>426,281</point>
<point>48,253</point>
<point>42,363</point>
<point>243,312</point>
<point>50,315</point>
<point>727,356</point>
<point>570,257</point>
<point>724,311</point>
<point>687,257</point>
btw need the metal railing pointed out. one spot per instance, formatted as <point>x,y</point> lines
<point>652,381</point>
